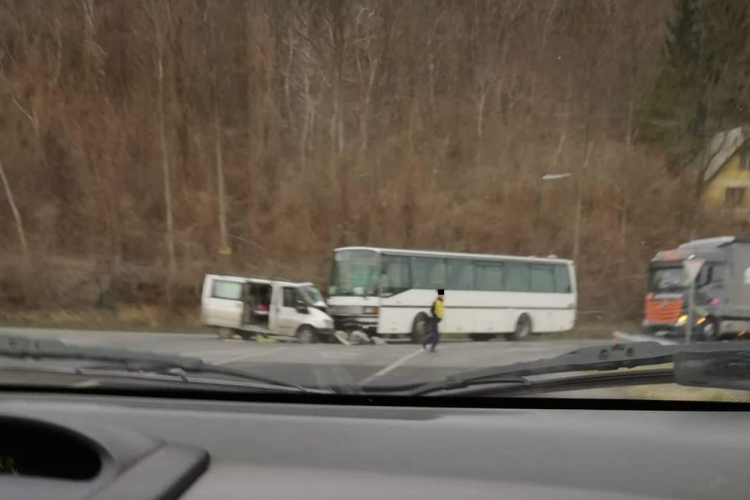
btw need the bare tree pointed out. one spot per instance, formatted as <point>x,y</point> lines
<point>14,210</point>
<point>160,18</point>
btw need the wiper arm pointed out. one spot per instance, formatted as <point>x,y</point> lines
<point>16,346</point>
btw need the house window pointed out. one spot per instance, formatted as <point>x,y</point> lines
<point>734,197</point>
<point>745,160</point>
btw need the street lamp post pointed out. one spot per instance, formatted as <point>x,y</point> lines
<point>579,211</point>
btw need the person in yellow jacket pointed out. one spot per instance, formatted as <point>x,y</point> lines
<point>436,311</point>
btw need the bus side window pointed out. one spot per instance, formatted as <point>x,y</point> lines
<point>542,279</point>
<point>395,277</point>
<point>562,279</point>
<point>488,276</point>
<point>517,277</point>
<point>460,274</point>
<point>428,272</point>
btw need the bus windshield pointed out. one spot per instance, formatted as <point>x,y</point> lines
<point>355,272</point>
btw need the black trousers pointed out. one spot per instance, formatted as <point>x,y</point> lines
<point>434,336</point>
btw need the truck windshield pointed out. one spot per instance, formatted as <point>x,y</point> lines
<point>355,272</point>
<point>667,278</point>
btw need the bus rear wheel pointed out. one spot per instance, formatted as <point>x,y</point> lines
<point>419,329</point>
<point>523,329</point>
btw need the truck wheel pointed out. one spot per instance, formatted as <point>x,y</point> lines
<point>523,329</point>
<point>710,330</point>
<point>307,335</point>
<point>419,328</point>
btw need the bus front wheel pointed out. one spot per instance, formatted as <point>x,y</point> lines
<point>419,329</point>
<point>523,329</point>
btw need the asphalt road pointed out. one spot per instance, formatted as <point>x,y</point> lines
<point>322,364</point>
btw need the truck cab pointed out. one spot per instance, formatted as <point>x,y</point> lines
<point>721,292</point>
<point>249,307</point>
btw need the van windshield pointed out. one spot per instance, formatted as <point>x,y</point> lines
<point>312,295</point>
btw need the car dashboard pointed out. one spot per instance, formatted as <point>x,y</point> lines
<point>76,446</point>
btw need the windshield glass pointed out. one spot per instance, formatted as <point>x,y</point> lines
<point>175,174</point>
<point>667,279</point>
<point>355,272</point>
<point>312,295</point>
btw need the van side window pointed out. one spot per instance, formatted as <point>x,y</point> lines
<point>289,296</point>
<point>229,290</point>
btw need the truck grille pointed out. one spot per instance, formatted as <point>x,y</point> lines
<point>663,310</point>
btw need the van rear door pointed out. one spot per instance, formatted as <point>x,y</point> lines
<point>222,303</point>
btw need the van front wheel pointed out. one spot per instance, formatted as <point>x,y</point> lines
<point>307,335</point>
<point>225,333</point>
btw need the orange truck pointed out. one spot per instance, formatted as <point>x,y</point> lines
<point>721,294</point>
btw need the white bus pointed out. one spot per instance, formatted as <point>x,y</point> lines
<point>389,293</point>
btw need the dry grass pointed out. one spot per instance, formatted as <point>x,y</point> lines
<point>679,393</point>
<point>136,318</point>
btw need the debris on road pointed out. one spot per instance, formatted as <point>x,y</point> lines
<point>358,337</point>
<point>342,337</point>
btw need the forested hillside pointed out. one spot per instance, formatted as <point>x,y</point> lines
<point>138,138</point>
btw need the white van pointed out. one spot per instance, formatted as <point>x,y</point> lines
<point>248,307</point>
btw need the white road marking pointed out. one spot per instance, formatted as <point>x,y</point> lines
<point>248,355</point>
<point>392,366</point>
<point>85,383</point>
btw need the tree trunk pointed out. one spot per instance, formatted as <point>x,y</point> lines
<point>16,213</point>
<point>224,237</point>
<point>165,160</point>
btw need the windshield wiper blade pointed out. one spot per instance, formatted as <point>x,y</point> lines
<point>586,381</point>
<point>17,346</point>
<point>597,358</point>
